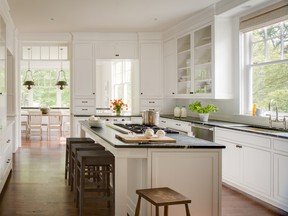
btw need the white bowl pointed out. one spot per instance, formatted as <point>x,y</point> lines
<point>96,123</point>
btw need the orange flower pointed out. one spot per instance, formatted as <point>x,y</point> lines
<point>118,104</point>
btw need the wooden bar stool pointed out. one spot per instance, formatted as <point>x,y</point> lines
<point>74,149</point>
<point>69,141</point>
<point>100,181</point>
<point>162,197</point>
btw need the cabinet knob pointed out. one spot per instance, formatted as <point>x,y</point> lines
<point>141,93</point>
<point>173,92</point>
<point>93,93</point>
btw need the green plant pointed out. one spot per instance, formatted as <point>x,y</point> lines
<point>197,107</point>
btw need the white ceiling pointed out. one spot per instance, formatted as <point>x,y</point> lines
<point>101,15</point>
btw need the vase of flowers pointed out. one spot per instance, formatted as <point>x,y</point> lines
<point>202,111</point>
<point>118,106</point>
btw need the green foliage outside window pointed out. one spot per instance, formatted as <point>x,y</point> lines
<point>269,65</point>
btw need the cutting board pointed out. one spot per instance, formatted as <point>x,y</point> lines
<point>141,138</point>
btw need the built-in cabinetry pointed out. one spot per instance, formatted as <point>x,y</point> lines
<point>151,76</point>
<point>178,125</point>
<point>116,50</point>
<point>3,77</point>
<point>6,145</point>
<point>84,79</point>
<point>255,164</point>
<point>203,62</point>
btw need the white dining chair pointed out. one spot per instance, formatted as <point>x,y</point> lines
<point>34,123</point>
<point>54,122</point>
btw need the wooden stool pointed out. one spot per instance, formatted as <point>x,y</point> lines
<point>97,180</point>
<point>69,141</point>
<point>75,147</point>
<point>162,197</point>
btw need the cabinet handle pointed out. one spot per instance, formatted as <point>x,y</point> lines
<point>163,121</point>
<point>178,124</point>
<point>116,54</point>
<point>8,141</point>
<point>93,93</point>
<point>141,93</point>
<point>84,109</point>
<point>84,101</point>
<point>1,93</point>
<point>191,92</point>
<point>238,146</point>
<point>173,92</point>
<point>151,102</point>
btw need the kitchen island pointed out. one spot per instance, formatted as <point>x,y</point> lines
<point>190,166</point>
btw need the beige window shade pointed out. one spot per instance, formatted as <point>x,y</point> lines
<point>265,17</point>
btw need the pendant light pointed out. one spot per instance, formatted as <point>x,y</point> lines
<point>61,80</point>
<point>28,81</point>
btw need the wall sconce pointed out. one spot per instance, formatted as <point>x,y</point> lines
<point>28,81</point>
<point>61,80</point>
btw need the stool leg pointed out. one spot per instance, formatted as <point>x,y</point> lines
<point>157,210</point>
<point>187,210</point>
<point>165,210</point>
<point>137,212</point>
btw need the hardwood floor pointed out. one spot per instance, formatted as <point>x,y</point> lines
<point>37,187</point>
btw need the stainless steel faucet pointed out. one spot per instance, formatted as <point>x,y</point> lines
<point>276,108</point>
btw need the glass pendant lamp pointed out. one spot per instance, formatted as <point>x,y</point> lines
<point>28,81</point>
<point>61,80</point>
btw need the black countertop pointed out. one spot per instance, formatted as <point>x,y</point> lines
<point>182,141</point>
<point>235,126</point>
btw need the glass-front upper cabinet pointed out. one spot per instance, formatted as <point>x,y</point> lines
<point>202,55</point>
<point>184,65</point>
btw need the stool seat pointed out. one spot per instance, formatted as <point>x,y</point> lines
<point>69,142</point>
<point>163,196</point>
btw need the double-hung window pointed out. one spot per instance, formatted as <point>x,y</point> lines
<point>265,39</point>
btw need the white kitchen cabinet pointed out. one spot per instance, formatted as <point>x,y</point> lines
<point>169,55</point>
<point>203,62</point>
<point>256,164</point>
<point>178,125</point>
<point>6,144</point>
<point>151,76</point>
<point>116,50</point>
<point>151,104</point>
<point>280,172</point>
<point>84,86</point>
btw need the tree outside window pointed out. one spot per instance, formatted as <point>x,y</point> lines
<point>268,65</point>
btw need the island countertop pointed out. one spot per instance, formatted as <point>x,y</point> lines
<point>108,134</point>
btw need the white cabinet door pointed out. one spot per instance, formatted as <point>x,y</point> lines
<point>151,76</point>
<point>84,76</point>
<point>170,76</point>
<point>231,161</point>
<point>257,169</point>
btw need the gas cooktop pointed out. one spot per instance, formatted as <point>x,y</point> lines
<point>140,128</point>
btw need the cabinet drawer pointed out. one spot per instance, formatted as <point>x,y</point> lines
<point>85,110</point>
<point>179,125</point>
<point>281,145</point>
<point>244,137</point>
<point>151,103</point>
<point>84,102</point>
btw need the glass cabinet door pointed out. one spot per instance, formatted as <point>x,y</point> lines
<point>184,65</point>
<point>202,52</point>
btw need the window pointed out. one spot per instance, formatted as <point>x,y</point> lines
<point>45,64</point>
<point>266,66</point>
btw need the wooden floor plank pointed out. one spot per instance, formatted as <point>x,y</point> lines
<point>37,186</point>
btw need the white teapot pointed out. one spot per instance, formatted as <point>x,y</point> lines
<point>149,133</point>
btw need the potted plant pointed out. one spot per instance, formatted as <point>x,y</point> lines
<point>202,111</point>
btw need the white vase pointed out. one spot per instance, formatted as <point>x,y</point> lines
<point>204,117</point>
<point>177,111</point>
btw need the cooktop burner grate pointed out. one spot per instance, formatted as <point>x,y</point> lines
<point>140,128</point>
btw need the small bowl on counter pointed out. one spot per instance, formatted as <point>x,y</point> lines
<point>96,122</point>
